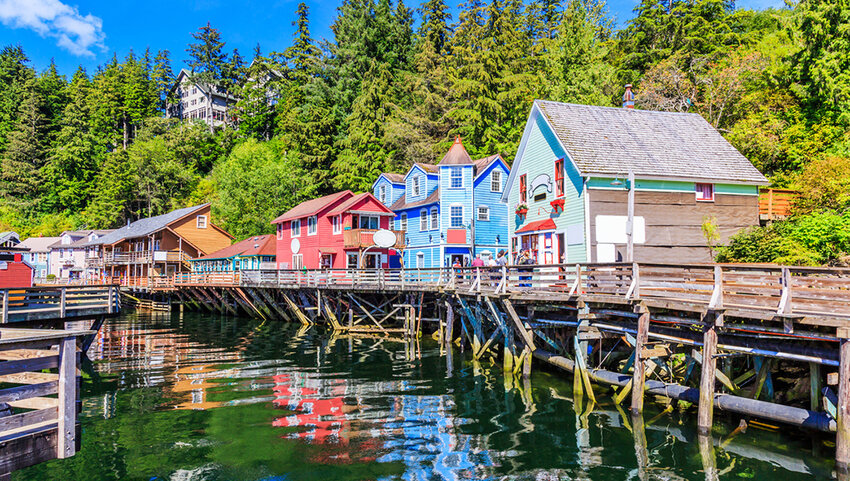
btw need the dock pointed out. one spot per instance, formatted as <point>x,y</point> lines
<point>719,337</point>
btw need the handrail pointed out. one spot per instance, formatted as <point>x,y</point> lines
<point>49,302</point>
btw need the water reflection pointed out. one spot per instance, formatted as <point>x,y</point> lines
<point>202,398</point>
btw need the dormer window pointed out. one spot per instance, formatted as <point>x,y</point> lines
<point>496,181</point>
<point>201,221</point>
<point>456,178</point>
<point>383,193</point>
<point>416,186</point>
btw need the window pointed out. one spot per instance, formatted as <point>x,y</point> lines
<point>483,212</point>
<point>194,90</point>
<point>705,192</point>
<point>279,231</point>
<point>416,185</point>
<point>336,224</point>
<point>297,261</point>
<point>369,222</point>
<point>403,222</point>
<point>201,221</point>
<point>523,189</point>
<point>456,178</point>
<point>423,220</point>
<point>559,178</point>
<point>496,181</point>
<point>383,195</point>
<point>312,226</point>
<point>295,228</point>
<point>457,215</point>
<point>420,259</point>
<point>435,219</point>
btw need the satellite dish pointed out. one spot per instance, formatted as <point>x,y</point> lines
<point>295,246</point>
<point>384,238</point>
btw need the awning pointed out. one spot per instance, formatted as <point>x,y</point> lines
<point>547,224</point>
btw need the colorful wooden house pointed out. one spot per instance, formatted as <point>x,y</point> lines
<point>569,187</point>
<point>335,231</point>
<point>449,211</point>
<point>14,270</point>
<point>253,253</point>
<point>39,255</point>
<point>158,246</point>
<point>72,255</point>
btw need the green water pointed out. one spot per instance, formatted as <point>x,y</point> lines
<point>198,397</point>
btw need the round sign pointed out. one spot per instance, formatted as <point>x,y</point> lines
<point>384,238</point>
<point>295,246</point>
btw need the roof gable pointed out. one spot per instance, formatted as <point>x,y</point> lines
<point>358,202</point>
<point>392,178</point>
<point>457,154</point>
<point>148,225</point>
<point>314,206</point>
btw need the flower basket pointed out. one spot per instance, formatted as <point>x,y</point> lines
<point>521,210</point>
<point>557,205</point>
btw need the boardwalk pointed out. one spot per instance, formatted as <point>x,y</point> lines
<point>718,336</point>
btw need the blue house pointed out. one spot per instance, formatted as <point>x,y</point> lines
<point>449,211</point>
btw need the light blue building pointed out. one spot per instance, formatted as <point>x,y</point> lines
<point>39,255</point>
<point>449,211</point>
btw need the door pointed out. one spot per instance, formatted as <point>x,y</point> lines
<point>562,249</point>
<point>327,261</point>
<point>372,261</point>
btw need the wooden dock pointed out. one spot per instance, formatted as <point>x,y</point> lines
<point>58,302</point>
<point>39,408</point>
<point>720,337</point>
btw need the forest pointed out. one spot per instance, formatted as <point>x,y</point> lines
<point>395,83</point>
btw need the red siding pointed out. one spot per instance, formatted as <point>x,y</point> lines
<point>325,241</point>
<point>16,274</point>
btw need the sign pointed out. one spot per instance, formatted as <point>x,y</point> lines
<point>611,229</point>
<point>295,246</point>
<point>384,238</point>
<point>542,179</point>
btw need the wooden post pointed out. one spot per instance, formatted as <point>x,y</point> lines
<point>814,386</point>
<point>639,374</point>
<point>66,429</point>
<point>5,312</point>
<point>450,322</point>
<point>350,317</point>
<point>705,416</point>
<point>111,300</point>
<point>842,443</point>
<point>61,302</point>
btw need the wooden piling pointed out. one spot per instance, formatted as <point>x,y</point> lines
<point>639,373</point>
<point>842,442</point>
<point>705,416</point>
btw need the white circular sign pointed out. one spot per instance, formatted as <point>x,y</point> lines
<point>295,246</point>
<point>384,238</point>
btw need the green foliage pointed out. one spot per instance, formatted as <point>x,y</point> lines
<point>825,184</point>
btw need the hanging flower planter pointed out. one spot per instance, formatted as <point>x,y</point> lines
<point>521,210</point>
<point>557,205</point>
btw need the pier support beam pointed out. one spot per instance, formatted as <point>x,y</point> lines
<point>705,416</point>
<point>639,374</point>
<point>842,442</point>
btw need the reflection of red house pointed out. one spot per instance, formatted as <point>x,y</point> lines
<point>14,272</point>
<point>333,231</point>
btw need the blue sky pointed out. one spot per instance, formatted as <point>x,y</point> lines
<point>88,32</point>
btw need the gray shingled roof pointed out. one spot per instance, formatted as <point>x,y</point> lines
<point>611,141</point>
<point>143,227</point>
<point>432,198</point>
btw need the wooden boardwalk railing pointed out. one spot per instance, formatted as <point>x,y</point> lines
<point>771,290</point>
<point>44,425</point>
<point>59,302</point>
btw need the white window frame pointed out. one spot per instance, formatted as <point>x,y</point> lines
<point>452,216</point>
<point>435,218</point>
<point>383,193</point>
<point>336,224</point>
<point>417,188</point>
<point>496,181</point>
<point>697,192</point>
<point>403,221</point>
<point>312,225</point>
<point>483,209</point>
<point>453,177</point>
<point>295,228</point>
<point>366,216</point>
<point>201,222</point>
<point>297,261</point>
<point>423,220</point>
<point>420,260</point>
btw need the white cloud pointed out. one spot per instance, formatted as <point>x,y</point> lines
<point>77,33</point>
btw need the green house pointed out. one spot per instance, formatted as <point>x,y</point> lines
<point>569,189</point>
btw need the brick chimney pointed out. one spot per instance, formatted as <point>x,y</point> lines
<point>629,97</point>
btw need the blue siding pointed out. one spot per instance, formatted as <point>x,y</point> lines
<point>393,191</point>
<point>491,235</point>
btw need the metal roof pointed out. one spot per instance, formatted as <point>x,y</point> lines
<point>262,245</point>
<point>313,206</point>
<point>612,141</point>
<point>143,227</point>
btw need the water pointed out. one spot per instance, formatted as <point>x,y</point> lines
<point>198,397</point>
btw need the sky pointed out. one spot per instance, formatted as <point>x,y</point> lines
<point>89,32</point>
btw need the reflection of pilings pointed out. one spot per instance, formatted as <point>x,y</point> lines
<point>727,402</point>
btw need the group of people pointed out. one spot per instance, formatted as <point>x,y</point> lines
<point>501,259</point>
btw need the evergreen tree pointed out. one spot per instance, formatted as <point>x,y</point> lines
<point>24,157</point>
<point>74,158</point>
<point>14,75</point>
<point>163,78</point>
<point>824,60</point>
<point>52,89</point>
<point>209,65</point>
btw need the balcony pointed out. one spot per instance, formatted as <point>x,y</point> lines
<point>94,262</point>
<point>362,238</point>
<point>143,257</point>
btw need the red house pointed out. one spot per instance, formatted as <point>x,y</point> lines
<point>14,271</point>
<point>335,231</point>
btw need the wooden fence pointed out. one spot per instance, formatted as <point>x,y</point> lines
<point>38,303</point>
<point>44,424</point>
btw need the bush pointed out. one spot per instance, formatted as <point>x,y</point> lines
<point>824,185</point>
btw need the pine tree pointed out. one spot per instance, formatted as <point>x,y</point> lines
<point>21,164</point>
<point>52,89</point>
<point>14,75</point>
<point>74,158</point>
<point>163,78</point>
<point>209,64</point>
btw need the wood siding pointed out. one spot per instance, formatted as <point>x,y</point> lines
<point>208,240</point>
<point>674,221</point>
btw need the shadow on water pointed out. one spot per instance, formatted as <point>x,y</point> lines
<point>195,397</point>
